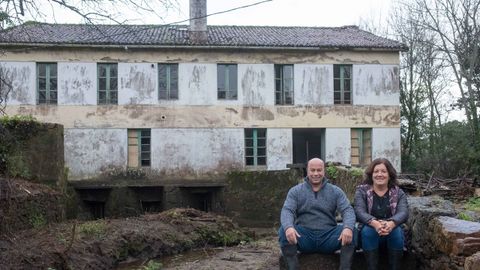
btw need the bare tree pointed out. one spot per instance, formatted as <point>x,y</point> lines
<point>456,27</point>
<point>14,12</point>
<point>5,88</point>
<point>412,95</point>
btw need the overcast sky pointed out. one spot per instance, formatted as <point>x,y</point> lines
<point>274,12</point>
<point>286,12</point>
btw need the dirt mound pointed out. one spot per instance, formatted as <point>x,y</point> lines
<point>25,205</point>
<point>102,244</point>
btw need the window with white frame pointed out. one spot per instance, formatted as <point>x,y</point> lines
<point>47,83</point>
<point>167,81</point>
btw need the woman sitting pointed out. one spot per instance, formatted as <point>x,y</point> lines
<point>381,207</point>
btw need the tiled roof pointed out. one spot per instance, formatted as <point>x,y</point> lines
<point>177,35</point>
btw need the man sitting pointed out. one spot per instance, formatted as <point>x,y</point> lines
<point>308,219</point>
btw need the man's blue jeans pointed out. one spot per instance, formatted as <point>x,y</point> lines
<point>312,241</point>
<point>371,240</point>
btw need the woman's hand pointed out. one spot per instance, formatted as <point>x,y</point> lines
<point>386,227</point>
<point>377,225</point>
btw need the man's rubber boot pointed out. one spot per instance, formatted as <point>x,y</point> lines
<point>289,253</point>
<point>395,259</point>
<point>371,257</point>
<point>346,256</point>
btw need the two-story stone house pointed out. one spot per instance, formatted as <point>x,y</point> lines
<point>195,102</point>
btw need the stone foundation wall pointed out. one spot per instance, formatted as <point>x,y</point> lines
<point>440,240</point>
<point>255,198</point>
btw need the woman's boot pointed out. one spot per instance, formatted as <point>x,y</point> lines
<point>395,259</point>
<point>371,256</point>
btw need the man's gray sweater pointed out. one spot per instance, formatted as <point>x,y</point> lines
<point>316,210</point>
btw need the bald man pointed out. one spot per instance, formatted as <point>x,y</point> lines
<point>308,219</point>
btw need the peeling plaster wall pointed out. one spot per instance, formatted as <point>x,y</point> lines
<point>376,85</point>
<point>386,144</point>
<point>22,77</point>
<point>137,83</point>
<point>88,152</point>
<point>190,152</point>
<point>338,145</point>
<point>201,82</point>
<point>162,55</point>
<point>145,116</point>
<point>256,83</point>
<point>313,84</point>
<point>77,83</point>
<point>279,148</point>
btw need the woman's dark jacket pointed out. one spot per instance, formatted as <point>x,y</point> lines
<point>364,200</point>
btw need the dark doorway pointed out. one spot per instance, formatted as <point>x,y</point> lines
<point>94,200</point>
<point>150,198</point>
<point>307,144</point>
<point>201,198</point>
<point>97,209</point>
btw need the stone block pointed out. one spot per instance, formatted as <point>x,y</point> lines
<point>473,262</point>
<point>331,261</point>
<point>456,237</point>
<point>422,211</point>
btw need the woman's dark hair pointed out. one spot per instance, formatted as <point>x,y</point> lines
<point>392,173</point>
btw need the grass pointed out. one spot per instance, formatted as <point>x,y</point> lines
<point>464,216</point>
<point>473,204</point>
<point>151,265</point>
<point>38,220</point>
<point>95,228</point>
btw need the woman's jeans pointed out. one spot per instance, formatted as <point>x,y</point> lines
<point>311,241</point>
<point>371,240</point>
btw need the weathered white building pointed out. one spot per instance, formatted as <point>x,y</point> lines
<point>196,102</point>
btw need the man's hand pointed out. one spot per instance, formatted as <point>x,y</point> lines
<point>346,236</point>
<point>292,235</point>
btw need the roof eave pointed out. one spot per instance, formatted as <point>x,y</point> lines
<point>206,47</point>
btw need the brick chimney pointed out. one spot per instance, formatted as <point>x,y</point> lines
<point>198,21</point>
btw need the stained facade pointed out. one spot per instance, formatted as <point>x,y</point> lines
<point>193,111</point>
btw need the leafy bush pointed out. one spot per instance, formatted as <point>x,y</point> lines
<point>332,171</point>
<point>356,172</point>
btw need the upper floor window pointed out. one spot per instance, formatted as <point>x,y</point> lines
<point>107,83</point>
<point>361,146</point>
<point>227,81</point>
<point>255,146</point>
<point>47,83</point>
<point>342,84</point>
<point>139,141</point>
<point>284,84</point>
<point>168,81</point>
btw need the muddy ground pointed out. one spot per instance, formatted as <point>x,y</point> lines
<point>107,244</point>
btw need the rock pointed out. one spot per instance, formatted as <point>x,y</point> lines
<point>430,206</point>
<point>440,240</point>
<point>331,261</point>
<point>422,210</point>
<point>456,237</point>
<point>473,262</point>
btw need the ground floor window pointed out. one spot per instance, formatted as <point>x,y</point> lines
<point>139,148</point>
<point>361,141</point>
<point>255,146</point>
